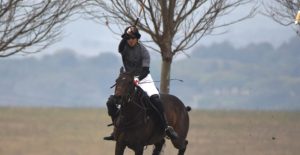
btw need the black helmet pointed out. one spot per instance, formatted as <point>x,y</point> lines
<point>131,31</point>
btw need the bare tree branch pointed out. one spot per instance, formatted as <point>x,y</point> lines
<point>32,24</point>
<point>185,22</point>
<point>283,12</point>
<point>173,25</point>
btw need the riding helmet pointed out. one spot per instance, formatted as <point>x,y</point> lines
<point>131,31</point>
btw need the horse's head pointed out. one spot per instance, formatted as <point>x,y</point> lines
<point>124,84</point>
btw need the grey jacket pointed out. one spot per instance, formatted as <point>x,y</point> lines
<point>135,59</point>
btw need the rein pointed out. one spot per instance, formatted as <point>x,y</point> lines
<point>134,98</point>
<point>180,80</point>
<point>131,98</point>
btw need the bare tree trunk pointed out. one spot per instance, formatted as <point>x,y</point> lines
<point>167,57</point>
<point>165,76</point>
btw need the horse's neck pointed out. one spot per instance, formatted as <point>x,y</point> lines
<point>130,110</point>
<point>134,105</point>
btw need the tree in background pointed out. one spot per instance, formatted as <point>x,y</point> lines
<point>173,25</point>
<point>36,24</point>
<point>283,12</point>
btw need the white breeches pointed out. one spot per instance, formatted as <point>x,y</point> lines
<point>147,84</point>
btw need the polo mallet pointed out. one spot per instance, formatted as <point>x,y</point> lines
<point>141,9</point>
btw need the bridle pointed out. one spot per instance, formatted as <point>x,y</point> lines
<point>134,96</point>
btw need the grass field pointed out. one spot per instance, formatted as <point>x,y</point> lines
<point>71,131</point>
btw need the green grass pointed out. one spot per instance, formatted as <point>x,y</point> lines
<point>72,131</point>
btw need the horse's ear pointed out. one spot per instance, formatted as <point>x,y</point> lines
<point>122,70</point>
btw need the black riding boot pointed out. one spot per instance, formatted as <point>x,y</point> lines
<point>111,136</point>
<point>112,112</point>
<point>170,132</point>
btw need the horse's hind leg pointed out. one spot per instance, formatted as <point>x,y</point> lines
<point>120,147</point>
<point>158,147</point>
<point>182,149</point>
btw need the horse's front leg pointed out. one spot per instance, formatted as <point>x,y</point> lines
<point>139,150</point>
<point>120,147</point>
<point>158,147</point>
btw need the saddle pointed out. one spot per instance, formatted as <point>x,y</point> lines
<point>144,100</point>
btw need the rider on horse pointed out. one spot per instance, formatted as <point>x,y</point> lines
<point>136,59</point>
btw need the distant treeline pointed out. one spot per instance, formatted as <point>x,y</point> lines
<point>257,76</point>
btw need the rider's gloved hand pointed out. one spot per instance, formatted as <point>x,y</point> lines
<point>136,81</point>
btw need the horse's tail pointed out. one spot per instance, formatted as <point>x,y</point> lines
<point>188,108</point>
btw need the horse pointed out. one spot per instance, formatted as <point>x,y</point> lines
<point>138,124</point>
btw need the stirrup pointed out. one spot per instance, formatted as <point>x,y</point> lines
<point>170,132</point>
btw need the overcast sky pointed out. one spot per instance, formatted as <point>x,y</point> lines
<point>90,38</point>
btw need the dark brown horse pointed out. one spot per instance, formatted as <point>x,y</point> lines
<point>138,123</point>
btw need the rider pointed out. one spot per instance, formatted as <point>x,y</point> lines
<point>136,59</point>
